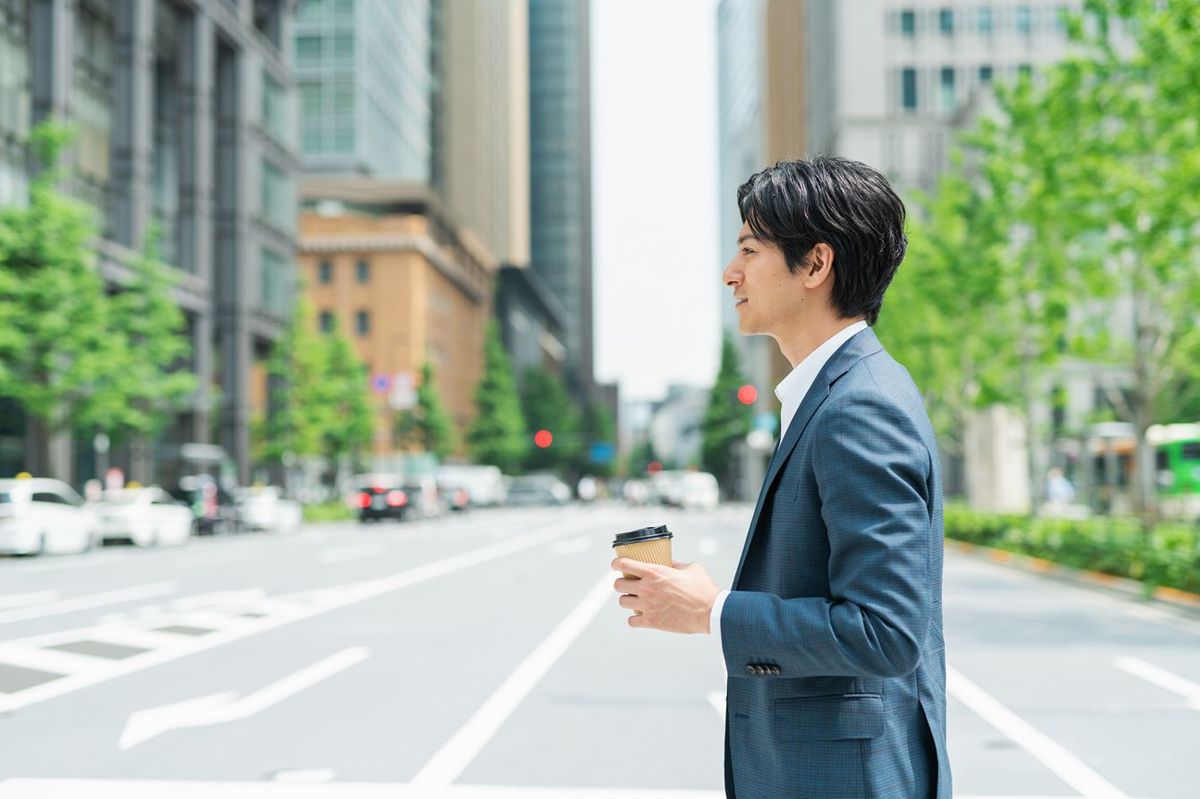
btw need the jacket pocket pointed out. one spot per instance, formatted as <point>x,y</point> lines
<point>838,717</point>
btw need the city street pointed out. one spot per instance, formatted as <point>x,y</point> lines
<point>484,655</point>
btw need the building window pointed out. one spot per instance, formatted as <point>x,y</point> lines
<point>93,103</point>
<point>273,283</point>
<point>325,272</point>
<point>947,87</point>
<point>274,109</point>
<point>946,21</point>
<point>308,51</point>
<point>986,22</point>
<point>326,322</point>
<point>276,200</point>
<point>1024,20</point>
<point>908,89</point>
<point>908,22</point>
<point>363,271</point>
<point>985,75</point>
<point>362,323</point>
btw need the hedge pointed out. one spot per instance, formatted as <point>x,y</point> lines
<point>328,512</point>
<point>1169,556</point>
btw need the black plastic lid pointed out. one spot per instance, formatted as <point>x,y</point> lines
<point>644,534</point>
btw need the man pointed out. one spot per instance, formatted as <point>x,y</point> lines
<point>832,632</point>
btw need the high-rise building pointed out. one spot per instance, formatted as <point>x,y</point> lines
<point>365,72</point>
<point>560,165</point>
<point>761,47</point>
<point>183,119</point>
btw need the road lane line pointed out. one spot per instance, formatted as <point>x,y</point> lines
<point>457,753</point>
<point>1066,766</point>
<point>225,707</point>
<point>1162,678</point>
<point>88,601</point>
<point>292,608</point>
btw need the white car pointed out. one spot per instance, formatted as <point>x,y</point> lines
<point>264,508</point>
<point>146,517</point>
<point>42,515</point>
<point>699,491</point>
<point>484,484</point>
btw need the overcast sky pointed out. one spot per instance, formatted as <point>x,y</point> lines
<point>657,260</point>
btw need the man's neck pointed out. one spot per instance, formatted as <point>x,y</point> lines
<point>796,345</point>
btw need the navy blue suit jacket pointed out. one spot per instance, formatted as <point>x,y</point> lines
<point>832,634</point>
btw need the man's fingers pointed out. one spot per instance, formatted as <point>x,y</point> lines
<point>626,585</point>
<point>627,566</point>
<point>637,620</point>
<point>630,602</point>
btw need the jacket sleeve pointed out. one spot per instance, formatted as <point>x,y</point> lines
<point>872,472</point>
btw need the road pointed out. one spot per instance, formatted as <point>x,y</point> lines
<point>484,656</point>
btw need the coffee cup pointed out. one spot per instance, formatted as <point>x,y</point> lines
<point>648,545</point>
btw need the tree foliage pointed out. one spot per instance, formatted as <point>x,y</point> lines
<point>546,405</point>
<point>427,426</point>
<point>497,435</point>
<point>726,419</point>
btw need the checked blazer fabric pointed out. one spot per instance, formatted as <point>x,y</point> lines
<point>832,633</point>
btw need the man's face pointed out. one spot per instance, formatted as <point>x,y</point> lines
<point>768,297</point>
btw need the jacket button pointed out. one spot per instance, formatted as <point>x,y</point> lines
<point>750,669</point>
<point>774,669</point>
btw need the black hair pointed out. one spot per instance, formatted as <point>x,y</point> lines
<point>796,205</point>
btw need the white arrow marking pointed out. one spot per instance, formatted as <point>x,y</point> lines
<point>224,707</point>
<point>21,600</point>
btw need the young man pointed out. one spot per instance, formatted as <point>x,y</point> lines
<point>832,632</point>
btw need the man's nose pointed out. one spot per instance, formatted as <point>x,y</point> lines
<point>731,276</point>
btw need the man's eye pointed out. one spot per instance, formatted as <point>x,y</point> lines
<point>747,251</point>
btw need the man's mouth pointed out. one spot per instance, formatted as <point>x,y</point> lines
<point>740,302</point>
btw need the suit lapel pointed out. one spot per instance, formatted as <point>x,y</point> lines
<point>859,346</point>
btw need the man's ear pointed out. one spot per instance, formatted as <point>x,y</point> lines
<point>820,265</point>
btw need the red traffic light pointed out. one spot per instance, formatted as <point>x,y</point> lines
<point>543,439</point>
<point>654,467</point>
<point>747,394</point>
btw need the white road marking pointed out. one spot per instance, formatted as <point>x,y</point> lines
<point>457,753</point>
<point>23,600</point>
<point>219,599</point>
<point>1066,766</point>
<point>284,610</point>
<point>225,707</point>
<point>88,601</point>
<point>310,776</point>
<point>156,789</point>
<point>340,554</point>
<point>1162,678</point>
<point>717,700</point>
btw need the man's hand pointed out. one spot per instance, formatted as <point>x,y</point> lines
<point>676,599</point>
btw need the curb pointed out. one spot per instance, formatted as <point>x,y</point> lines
<point>1182,600</point>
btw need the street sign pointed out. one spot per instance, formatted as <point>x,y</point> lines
<point>602,452</point>
<point>766,421</point>
<point>380,383</point>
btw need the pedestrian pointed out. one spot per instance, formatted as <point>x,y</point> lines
<point>832,632</point>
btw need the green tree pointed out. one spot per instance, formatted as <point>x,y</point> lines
<point>598,426</point>
<point>546,405</point>
<point>58,350</point>
<point>497,436</point>
<point>726,419</point>
<point>154,378</point>
<point>348,411</point>
<point>297,418</point>
<point>427,426</point>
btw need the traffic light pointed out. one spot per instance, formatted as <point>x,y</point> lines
<point>543,439</point>
<point>747,394</point>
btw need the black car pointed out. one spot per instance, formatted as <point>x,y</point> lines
<point>382,501</point>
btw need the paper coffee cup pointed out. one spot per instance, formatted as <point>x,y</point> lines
<point>648,545</point>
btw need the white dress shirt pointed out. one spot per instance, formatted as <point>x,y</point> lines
<point>791,392</point>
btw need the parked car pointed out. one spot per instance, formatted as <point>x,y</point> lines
<point>538,489</point>
<point>214,510</point>
<point>145,517</point>
<point>454,496</point>
<point>265,508</point>
<point>699,491</point>
<point>42,515</point>
<point>381,496</point>
<point>667,487</point>
<point>484,484</point>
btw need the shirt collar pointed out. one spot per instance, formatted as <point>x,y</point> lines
<point>792,389</point>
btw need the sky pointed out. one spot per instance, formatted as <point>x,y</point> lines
<point>656,256</point>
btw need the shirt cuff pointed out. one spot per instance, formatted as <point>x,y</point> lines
<point>714,618</point>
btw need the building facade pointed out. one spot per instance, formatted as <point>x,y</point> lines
<point>184,123</point>
<point>389,265</point>
<point>560,168</point>
<point>366,83</point>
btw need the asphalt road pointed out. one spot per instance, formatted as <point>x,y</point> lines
<point>484,656</point>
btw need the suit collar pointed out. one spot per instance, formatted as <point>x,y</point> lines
<point>859,346</point>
